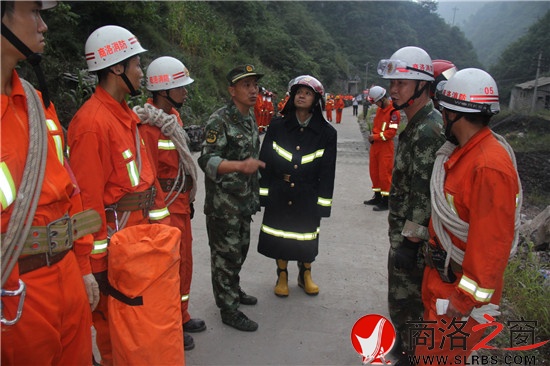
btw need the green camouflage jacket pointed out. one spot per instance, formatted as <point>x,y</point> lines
<point>409,199</point>
<point>230,136</point>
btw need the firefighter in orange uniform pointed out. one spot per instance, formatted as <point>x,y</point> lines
<point>269,110</point>
<point>329,107</point>
<point>282,104</point>
<point>339,106</point>
<point>259,108</point>
<point>174,164</point>
<point>384,128</point>
<point>109,159</point>
<point>42,279</point>
<point>475,185</point>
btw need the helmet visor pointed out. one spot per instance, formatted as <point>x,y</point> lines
<point>396,68</point>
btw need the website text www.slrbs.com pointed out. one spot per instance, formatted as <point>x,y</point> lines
<point>509,359</point>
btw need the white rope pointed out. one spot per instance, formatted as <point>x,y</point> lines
<point>169,126</point>
<point>444,217</point>
<point>29,191</point>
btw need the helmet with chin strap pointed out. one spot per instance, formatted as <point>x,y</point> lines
<point>376,93</point>
<point>408,63</point>
<point>167,73</point>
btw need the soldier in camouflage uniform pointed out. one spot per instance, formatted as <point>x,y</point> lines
<point>411,73</point>
<point>230,163</point>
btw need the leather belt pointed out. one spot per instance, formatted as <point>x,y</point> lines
<point>136,201</point>
<point>167,184</point>
<point>428,259</point>
<point>59,234</point>
<point>32,262</point>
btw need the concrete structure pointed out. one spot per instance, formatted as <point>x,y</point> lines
<point>521,98</point>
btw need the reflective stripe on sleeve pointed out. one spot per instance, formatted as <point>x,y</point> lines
<point>159,214</point>
<point>264,192</point>
<point>100,246</point>
<point>470,286</point>
<point>282,152</point>
<point>310,157</point>
<point>57,139</point>
<point>325,202</point>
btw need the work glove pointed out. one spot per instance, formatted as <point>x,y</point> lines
<point>478,313</point>
<point>406,254</point>
<point>92,290</point>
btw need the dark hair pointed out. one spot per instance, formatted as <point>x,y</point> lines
<point>7,6</point>
<point>478,118</point>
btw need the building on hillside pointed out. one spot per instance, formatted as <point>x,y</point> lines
<point>521,98</point>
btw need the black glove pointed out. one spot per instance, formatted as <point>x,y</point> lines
<point>192,207</point>
<point>406,254</point>
<point>102,281</point>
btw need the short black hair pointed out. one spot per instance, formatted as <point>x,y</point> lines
<point>7,6</point>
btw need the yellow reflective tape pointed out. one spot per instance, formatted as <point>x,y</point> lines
<point>100,246</point>
<point>470,286</point>
<point>184,298</point>
<point>282,152</point>
<point>289,234</point>
<point>394,126</point>
<point>159,214</point>
<point>517,200</point>
<point>382,136</point>
<point>310,157</point>
<point>133,173</point>
<point>57,139</point>
<point>325,202</point>
<point>384,126</point>
<point>127,154</point>
<point>7,186</point>
<point>451,201</point>
<point>166,145</point>
<point>264,191</point>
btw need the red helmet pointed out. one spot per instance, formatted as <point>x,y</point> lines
<point>443,70</point>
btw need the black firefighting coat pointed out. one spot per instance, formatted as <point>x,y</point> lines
<point>296,186</point>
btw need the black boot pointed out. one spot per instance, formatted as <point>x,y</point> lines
<point>374,200</point>
<point>383,205</point>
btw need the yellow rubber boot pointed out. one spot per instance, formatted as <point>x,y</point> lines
<point>305,281</point>
<point>281,288</point>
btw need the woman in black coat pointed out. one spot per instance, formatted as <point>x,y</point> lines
<point>297,184</point>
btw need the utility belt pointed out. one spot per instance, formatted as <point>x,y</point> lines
<point>435,257</point>
<point>167,184</point>
<point>134,201</point>
<point>47,245</point>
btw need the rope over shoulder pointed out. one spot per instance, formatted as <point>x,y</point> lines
<point>443,216</point>
<point>168,125</point>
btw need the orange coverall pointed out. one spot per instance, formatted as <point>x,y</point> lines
<point>258,110</point>
<point>339,106</point>
<point>102,148</point>
<point>384,128</point>
<point>328,108</point>
<point>166,160</point>
<point>281,105</point>
<point>55,325</point>
<point>482,184</point>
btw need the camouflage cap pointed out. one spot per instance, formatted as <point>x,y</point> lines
<point>241,72</point>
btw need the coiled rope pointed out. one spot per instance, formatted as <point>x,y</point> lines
<point>169,126</point>
<point>31,183</point>
<point>444,216</point>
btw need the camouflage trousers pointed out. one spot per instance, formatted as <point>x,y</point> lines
<point>404,299</point>
<point>229,240</point>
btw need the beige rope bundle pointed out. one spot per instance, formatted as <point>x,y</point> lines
<point>444,216</point>
<point>169,126</point>
<point>31,183</point>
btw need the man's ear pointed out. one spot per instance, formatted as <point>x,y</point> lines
<point>231,89</point>
<point>117,69</point>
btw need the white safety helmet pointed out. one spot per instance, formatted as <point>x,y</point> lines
<point>110,45</point>
<point>167,73</point>
<point>409,62</point>
<point>470,91</point>
<point>376,93</point>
